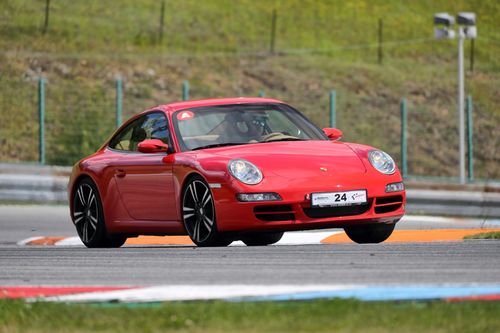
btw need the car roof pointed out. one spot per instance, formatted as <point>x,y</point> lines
<point>215,101</point>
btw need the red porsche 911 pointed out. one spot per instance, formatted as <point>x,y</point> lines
<point>221,170</point>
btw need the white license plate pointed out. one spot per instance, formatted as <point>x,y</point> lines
<point>347,198</point>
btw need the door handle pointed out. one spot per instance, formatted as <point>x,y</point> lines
<point>120,173</point>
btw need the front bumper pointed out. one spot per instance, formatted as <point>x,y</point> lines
<point>294,212</point>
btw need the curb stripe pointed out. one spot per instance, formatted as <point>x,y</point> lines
<point>417,236</point>
<point>189,293</point>
<point>390,293</point>
<point>28,241</point>
<point>35,292</point>
<point>255,293</point>
<point>160,240</point>
<point>46,241</point>
<point>494,297</point>
<point>290,238</point>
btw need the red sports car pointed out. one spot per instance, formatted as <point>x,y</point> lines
<point>221,170</point>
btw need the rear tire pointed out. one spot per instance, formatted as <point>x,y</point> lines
<point>198,214</point>
<point>88,217</point>
<point>261,239</point>
<point>371,233</point>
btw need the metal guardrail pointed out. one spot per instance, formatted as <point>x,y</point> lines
<point>47,184</point>
<point>453,203</point>
<point>33,183</point>
<point>33,188</point>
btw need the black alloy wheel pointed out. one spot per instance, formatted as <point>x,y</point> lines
<point>88,217</point>
<point>198,214</point>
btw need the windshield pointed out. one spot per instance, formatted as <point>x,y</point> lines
<point>224,125</point>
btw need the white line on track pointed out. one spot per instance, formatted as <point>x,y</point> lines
<point>193,292</point>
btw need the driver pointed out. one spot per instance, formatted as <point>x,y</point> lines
<point>245,125</point>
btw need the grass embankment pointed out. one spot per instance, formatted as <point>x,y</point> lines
<point>314,316</point>
<point>485,235</point>
<point>222,48</point>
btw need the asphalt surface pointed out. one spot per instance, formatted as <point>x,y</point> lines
<point>18,222</point>
<point>438,262</point>
<point>467,262</point>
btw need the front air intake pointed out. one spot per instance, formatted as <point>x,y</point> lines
<point>385,205</point>
<point>323,212</point>
<point>274,213</point>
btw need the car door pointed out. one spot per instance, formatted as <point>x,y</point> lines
<point>145,181</point>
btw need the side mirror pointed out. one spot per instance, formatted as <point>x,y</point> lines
<point>333,133</point>
<point>152,146</point>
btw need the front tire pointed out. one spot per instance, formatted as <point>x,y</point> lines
<point>371,233</point>
<point>262,239</point>
<point>88,217</point>
<point>198,214</point>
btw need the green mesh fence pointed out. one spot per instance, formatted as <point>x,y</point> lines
<point>79,119</point>
<point>18,120</point>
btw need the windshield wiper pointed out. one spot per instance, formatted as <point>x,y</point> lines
<point>282,139</point>
<point>214,145</point>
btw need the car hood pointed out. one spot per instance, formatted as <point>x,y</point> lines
<point>292,158</point>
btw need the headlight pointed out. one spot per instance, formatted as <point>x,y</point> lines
<point>245,172</point>
<point>382,162</point>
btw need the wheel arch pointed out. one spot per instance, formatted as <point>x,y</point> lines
<point>187,178</point>
<point>214,237</point>
<point>75,184</point>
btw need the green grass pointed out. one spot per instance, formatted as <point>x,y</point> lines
<point>222,46</point>
<point>485,235</point>
<point>314,316</point>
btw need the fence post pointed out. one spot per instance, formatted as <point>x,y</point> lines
<point>470,156</point>
<point>262,93</point>
<point>162,21</point>
<point>273,32</point>
<point>41,115</point>
<point>119,102</point>
<point>472,55</point>
<point>333,111</point>
<point>404,123</point>
<point>380,41</point>
<point>185,90</point>
<point>46,22</point>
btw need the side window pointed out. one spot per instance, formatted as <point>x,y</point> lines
<point>156,127</point>
<point>121,141</point>
<point>151,126</point>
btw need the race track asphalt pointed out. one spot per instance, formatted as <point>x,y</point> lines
<point>399,263</point>
<point>464,262</point>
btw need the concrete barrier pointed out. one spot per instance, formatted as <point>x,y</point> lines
<point>47,184</point>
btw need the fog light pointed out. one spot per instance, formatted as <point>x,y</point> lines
<point>394,187</point>
<point>246,197</point>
